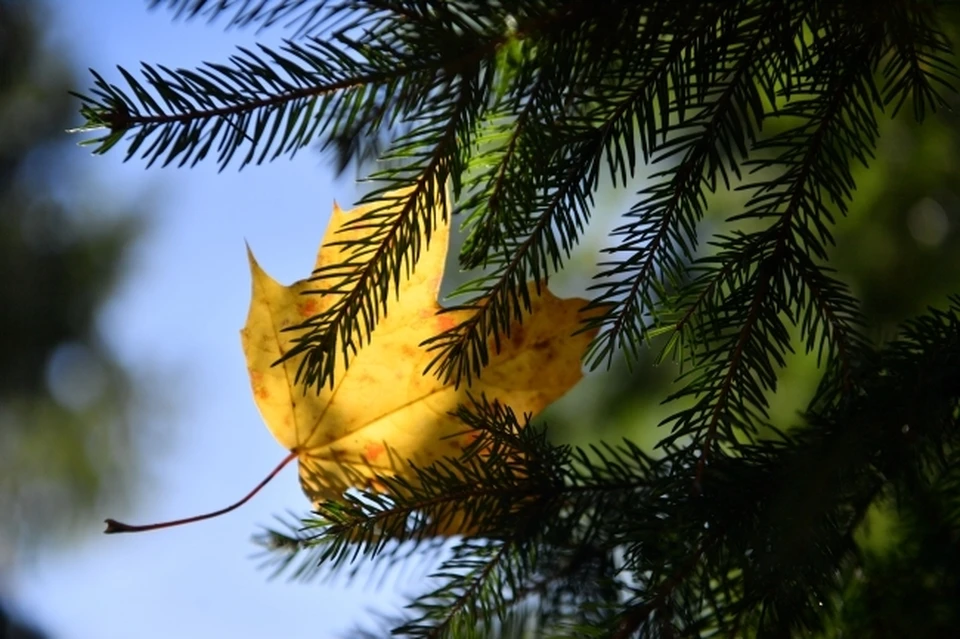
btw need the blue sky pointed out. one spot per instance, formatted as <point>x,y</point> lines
<point>179,313</point>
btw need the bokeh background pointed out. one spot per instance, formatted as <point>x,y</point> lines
<point>123,390</point>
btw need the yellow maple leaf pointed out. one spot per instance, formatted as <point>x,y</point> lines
<point>384,412</point>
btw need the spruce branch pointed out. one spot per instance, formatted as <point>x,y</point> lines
<point>724,559</point>
<point>499,298</point>
<point>477,579</point>
<point>744,290</point>
<point>271,108</point>
<point>657,604</point>
<point>661,237</point>
<point>919,67</point>
<point>533,240</point>
<point>550,77</point>
<point>488,191</point>
<point>400,227</point>
<point>305,15</point>
<point>476,491</point>
<point>829,316</point>
<point>325,88</point>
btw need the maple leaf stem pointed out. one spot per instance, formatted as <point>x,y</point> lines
<point>114,526</point>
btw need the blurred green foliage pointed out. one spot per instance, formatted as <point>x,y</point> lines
<point>66,428</point>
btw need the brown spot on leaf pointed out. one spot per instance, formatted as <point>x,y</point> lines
<point>371,451</point>
<point>256,382</point>
<point>446,322</point>
<point>307,308</point>
<point>542,344</point>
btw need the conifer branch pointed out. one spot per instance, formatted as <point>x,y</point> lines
<point>919,65</point>
<point>828,315</point>
<point>265,13</point>
<point>614,490</point>
<point>271,108</point>
<point>560,209</point>
<point>814,163</point>
<point>461,352</point>
<point>663,234</point>
<point>373,268</point>
<point>636,617</point>
<point>475,578</point>
<point>489,193</point>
